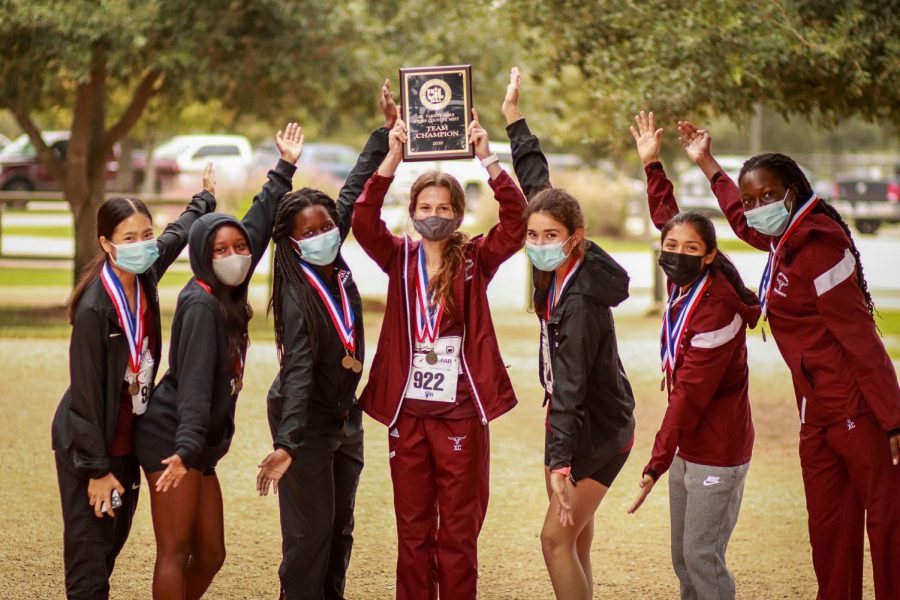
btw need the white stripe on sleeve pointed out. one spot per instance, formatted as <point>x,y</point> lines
<point>719,337</point>
<point>836,274</point>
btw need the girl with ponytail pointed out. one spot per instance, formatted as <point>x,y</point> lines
<point>438,377</point>
<point>706,437</point>
<point>314,418</point>
<point>815,298</point>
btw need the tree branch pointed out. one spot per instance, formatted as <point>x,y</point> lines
<point>145,90</point>
<point>50,159</point>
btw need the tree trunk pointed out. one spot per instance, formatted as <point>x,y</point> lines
<point>125,174</point>
<point>84,212</point>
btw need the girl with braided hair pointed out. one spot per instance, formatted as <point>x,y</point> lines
<point>314,418</point>
<point>814,295</point>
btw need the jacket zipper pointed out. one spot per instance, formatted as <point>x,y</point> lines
<point>408,325</point>
<point>471,381</point>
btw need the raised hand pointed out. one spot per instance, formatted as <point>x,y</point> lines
<point>386,102</point>
<point>696,142</point>
<point>290,145</point>
<point>209,178</point>
<point>646,137</point>
<point>510,107</point>
<point>396,139</point>
<point>479,137</point>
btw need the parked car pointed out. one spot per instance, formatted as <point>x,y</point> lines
<point>232,156</point>
<point>870,202</point>
<point>333,160</point>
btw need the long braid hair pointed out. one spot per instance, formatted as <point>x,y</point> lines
<point>441,284</point>
<point>287,269</point>
<point>791,175</point>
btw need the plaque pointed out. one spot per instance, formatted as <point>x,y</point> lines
<point>437,109</point>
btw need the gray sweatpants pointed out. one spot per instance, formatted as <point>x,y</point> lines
<point>704,502</point>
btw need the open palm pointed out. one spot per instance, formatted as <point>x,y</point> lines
<point>696,142</point>
<point>646,137</point>
<point>290,144</point>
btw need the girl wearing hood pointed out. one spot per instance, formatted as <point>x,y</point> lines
<point>706,436</point>
<point>438,377</point>
<point>314,417</point>
<point>815,297</point>
<point>590,423</point>
<point>189,423</point>
<point>113,357</point>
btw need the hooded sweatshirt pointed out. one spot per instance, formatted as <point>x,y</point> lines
<point>191,412</point>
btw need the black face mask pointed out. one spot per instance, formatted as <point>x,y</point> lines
<point>681,269</point>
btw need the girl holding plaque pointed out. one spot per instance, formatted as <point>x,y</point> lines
<point>113,357</point>
<point>438,377</point>
<point>189,423</point>
<point>589,429</point>
<point>815,298</point>
<point>314,417</point>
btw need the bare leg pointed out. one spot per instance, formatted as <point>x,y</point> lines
<point>173,523</point>
<point>559,544</point>
<point>208,539</point>
<point>583,549</point>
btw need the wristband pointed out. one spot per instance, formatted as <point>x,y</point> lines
<point>486,162</point>
<point>564,471</point>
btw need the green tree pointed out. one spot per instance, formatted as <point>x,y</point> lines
<point>106,60</point>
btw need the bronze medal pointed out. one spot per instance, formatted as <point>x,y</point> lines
<point>357,366</point>
<point>431,357</point>
<point>348,362</point>
<point>238,385</point>
<point>134,387</point>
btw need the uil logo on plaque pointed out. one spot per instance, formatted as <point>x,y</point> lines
<point>437,108</point>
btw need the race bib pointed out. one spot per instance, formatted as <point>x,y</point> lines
<point>435,382</point>
<point>144,378</point>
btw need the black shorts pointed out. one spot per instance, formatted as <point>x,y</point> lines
<point>606,474</point>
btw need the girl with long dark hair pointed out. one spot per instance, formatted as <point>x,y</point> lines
<point>189,424</point>
<point>314,417</point>
<point>706,436</point>
<point>438,377</point>
<point>815,298</point>
<point>589,430</point>
<point>113,358</point>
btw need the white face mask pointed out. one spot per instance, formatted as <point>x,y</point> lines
<point>232,270</point>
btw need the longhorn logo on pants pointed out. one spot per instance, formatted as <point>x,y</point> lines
<point>457,442</point>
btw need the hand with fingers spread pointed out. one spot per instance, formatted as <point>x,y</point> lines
<point>271,470</point>
<point>560,488</point>
<point>171,477</point>
<point>647,137</point>
<point>290,145</point>
<point>510,107</point>
<point>100,491</point>
<point>386,102</point>
<point>646,484</point>
<point>478,137</point>
<point>209,178</point>
<point>698,145</point>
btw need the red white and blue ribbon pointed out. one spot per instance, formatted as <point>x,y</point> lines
<point>673,331</point>
<point>132,323</point>
<point>765,285</point>
<point>428,316</point>
<point>553,296</point>
<point>343,318</point>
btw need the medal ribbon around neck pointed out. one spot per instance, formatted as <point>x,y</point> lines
<point>673,332</point>
<point>552,295</point>
<point>428,317</point>
<point>344,320</point>
<point>132,323</point>
<point>765,285</point>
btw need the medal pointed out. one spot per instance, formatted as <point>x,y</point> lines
<point>431,357</point>
<point>132,323</point>
<point>343,318</point>
<point>672,333</point>
<point>237,385</point>
<point>428,316</point>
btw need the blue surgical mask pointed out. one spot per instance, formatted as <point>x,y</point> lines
<point>136,257</point>
<point>546,257</point>
<point>322,249</point>
<point>771,219</point>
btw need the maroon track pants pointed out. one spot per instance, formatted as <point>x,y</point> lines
<point>849,480</point>
<point>440,472</point>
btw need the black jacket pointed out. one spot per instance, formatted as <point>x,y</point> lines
<point>86,418</point>
<point>312,389</point>
<point>591,411</point>
<point>191,412</point>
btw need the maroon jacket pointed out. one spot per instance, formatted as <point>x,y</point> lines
<point>708,418</point>
<point>383,395</point>
<point>820,322</point>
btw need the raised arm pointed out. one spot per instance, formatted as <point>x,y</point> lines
<point>697,143</point>
<point>371,156</point>
<point>529,161</point>
<point>368,227</point>
<point>660,194</point>
<point>172,241</point>
<point>260,218</point>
